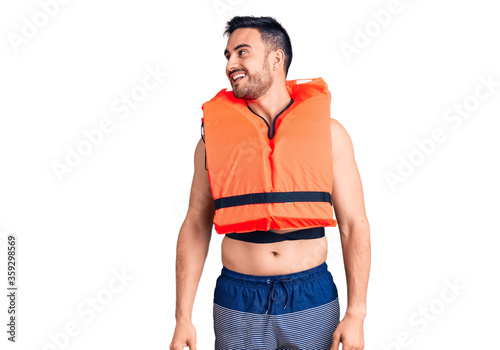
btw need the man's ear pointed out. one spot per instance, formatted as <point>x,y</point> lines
<point>278,59</point>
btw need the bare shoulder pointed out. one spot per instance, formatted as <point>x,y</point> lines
<point>199,155</point>
<point>347,190</point>
<point>201,203</point>
<point>341,141</point>
<point>200,179</point>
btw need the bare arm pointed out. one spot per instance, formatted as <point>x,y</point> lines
<point>347,198</point>
<point>192,249</point>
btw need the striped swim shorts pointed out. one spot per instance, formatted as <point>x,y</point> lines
<point>292,311</point>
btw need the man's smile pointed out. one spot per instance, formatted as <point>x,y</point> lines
<point>237,76</point>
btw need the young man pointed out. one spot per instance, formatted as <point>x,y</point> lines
<point>269,169</point>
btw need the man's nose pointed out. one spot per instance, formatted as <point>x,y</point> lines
<point>231,65</point>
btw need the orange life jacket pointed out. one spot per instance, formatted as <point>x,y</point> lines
<point>277,176</point>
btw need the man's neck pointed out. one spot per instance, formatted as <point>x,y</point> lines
<point>272,103</point>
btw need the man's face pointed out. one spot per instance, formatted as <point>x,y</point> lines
<point>248,67</point>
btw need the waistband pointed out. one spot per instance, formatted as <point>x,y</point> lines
<point>296,277</point>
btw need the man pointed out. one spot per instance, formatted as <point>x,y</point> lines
<point>270,166</point>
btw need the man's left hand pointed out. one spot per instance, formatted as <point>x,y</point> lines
<point>349,332</point>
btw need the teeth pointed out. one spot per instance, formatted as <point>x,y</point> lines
<point>238,76</point>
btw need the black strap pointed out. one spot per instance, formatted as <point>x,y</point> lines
<point>273,197</point>
<point>203,138</point>
<point>271,237</point>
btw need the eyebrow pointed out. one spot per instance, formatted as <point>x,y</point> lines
<point>236,48</point>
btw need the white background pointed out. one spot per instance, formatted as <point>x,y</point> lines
<point>121,208</point>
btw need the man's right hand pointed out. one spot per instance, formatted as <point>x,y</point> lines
<point>184,335</point>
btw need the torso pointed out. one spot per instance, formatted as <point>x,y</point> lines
<point>273,258</point>
<point>277,258</point>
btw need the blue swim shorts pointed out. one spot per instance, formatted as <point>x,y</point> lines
<point>292,311</point>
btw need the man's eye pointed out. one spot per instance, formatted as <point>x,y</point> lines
<point>242,51</point>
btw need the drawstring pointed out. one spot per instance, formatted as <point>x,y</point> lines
<point>274,295</point>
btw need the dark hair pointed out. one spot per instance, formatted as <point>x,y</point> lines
<point>272,33</point>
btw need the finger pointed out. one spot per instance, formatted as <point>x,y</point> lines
<point>336,342</point>
<point>192,345</point>
<point>175,346</point>
<point>178,346</point>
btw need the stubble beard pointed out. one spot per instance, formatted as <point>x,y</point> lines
<point>256,86</point>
